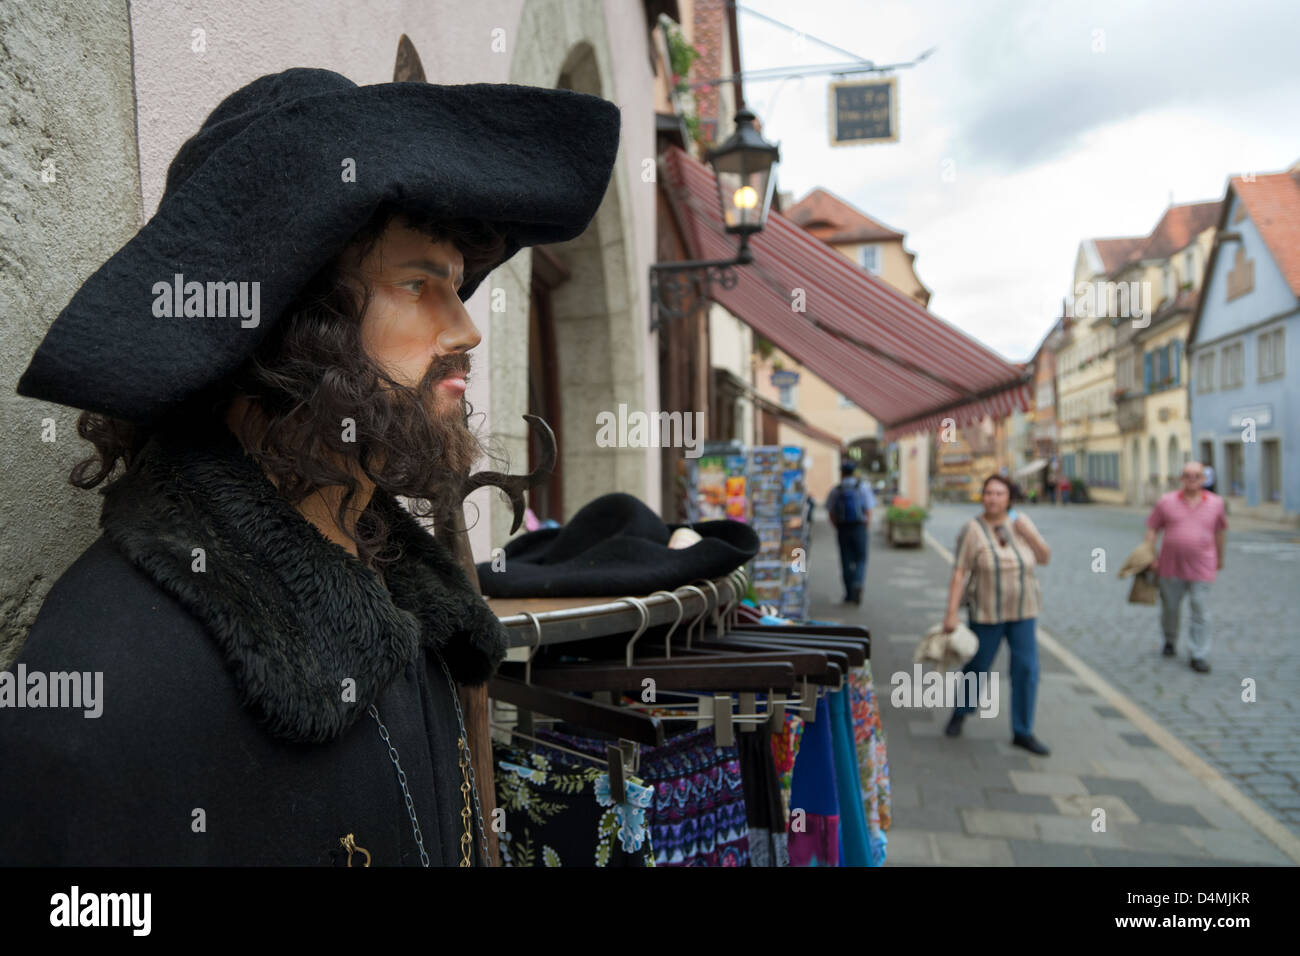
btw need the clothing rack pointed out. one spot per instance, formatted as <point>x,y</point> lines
<point>577,619</point>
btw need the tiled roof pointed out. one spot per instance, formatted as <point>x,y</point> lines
<point>1178,227</point>
<point>1273,203</point>
<point>1176,230</point>
<point>827,217</point>
<point>1116,252</point>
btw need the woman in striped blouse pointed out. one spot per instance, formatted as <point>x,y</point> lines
<point>997,553</point>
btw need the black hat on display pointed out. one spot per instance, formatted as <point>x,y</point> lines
<point>615,545</point>
<point>278,179</point>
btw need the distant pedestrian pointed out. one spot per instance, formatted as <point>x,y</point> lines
<point>1191,554</point>
<point>1052,479</point>
<point>997,553</point>
<point>848,506</point>
<point>1065,487</point>
<point>1209,478</point>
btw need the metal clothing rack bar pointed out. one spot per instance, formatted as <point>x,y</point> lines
<point>616,615</point>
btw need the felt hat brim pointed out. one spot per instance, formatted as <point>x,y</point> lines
<point>615,546</point>
<point>271,203</point>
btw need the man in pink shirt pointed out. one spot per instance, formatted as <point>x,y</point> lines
<point>1194,526</point>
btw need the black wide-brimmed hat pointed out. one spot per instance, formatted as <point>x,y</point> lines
<point>280,176</point>
<point>615,546</point>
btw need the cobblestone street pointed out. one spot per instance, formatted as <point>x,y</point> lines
<point>1254,607</point>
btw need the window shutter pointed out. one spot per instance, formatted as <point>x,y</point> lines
<point>1146,371</point>
<point>1178,352</point>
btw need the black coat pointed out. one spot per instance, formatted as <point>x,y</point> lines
<point>224,688</point>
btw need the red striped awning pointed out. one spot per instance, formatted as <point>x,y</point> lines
<point>884,351</point>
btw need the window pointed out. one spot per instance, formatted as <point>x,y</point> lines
<point>1175,460</point>
<point>1234,360</point>
<point>787,396</point>
<point>1124,372</point>
<point>870,259</point>
<point>1103,470</point>
<point>1272,356</point>
<point>1271,473</point>
<point>844,400</point>
<point>1205,372</point>
<point>1168,281</point>
<point>1189,267</point>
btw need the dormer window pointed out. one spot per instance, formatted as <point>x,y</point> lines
<point>869,259</point>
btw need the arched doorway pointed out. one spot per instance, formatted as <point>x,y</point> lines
<point>565,342</point>
<point>1153,470</point>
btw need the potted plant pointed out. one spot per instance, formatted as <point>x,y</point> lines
<point>903,522</point>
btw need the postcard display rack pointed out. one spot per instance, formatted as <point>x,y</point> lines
<point>764,486</point>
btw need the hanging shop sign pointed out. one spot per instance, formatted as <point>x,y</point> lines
<point>781,378</point>
<point>864,112</point>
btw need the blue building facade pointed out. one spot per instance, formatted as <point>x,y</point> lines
<point>1244,351</point>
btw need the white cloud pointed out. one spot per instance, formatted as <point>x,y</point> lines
<point>1052,143</point>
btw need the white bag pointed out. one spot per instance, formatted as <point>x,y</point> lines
<point>947,652</point>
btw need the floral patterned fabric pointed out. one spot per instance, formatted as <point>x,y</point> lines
<point>785,748</point>
<point>873,763</point>
<point>697,817</point>
<point>559,815</point>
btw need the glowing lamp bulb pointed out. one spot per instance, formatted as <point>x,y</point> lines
<point>745,197</point>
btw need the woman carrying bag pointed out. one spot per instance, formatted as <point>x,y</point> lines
<point>997,554</point>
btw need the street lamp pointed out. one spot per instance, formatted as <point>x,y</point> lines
<point>744,169</point>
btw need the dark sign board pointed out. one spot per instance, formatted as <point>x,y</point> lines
<point>864,112</point>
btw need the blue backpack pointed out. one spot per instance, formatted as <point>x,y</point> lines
<point>848,504</point>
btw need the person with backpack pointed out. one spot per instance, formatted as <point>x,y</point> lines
<point>849,508</point>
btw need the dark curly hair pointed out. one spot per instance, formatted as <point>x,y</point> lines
<point>310,374</point>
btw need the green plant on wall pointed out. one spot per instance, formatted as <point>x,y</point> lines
<point>681,58</point>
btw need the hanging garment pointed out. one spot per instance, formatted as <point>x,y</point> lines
<point>873,763</point>
<point>566,816</point>
<point>698,816</point>
<point>814,805</point>
<point>848,785</point>
<point>768,843</point>
<point>785,747</point>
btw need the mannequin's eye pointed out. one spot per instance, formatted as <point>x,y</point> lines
<point>415,285</point>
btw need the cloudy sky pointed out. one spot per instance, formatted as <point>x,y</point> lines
<point>1049,142</point>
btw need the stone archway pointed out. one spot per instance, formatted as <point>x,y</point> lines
<point>599,346</point>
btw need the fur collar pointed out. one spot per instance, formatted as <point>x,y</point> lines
<point>293,613</point>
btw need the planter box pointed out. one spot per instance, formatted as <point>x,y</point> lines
<point>908,532</point>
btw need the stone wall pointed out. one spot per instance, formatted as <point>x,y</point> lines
<point>69,198</point>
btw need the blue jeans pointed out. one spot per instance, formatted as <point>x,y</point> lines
<point>1021,635</point>
<point>853,556</point>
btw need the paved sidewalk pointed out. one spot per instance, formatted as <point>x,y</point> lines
<point>976,800</point>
